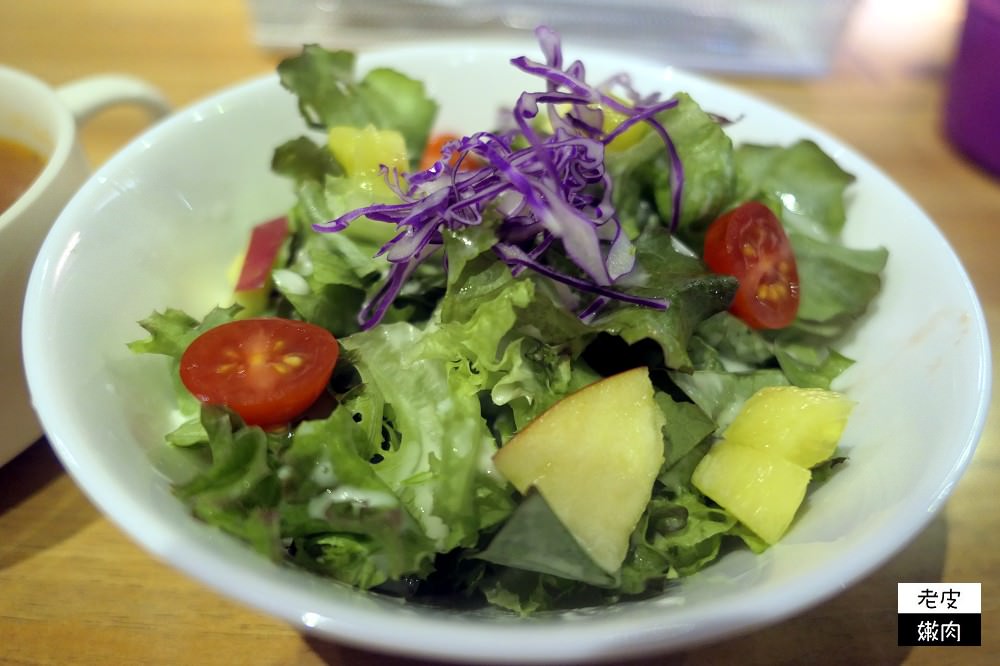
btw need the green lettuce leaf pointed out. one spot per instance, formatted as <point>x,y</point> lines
<point>331,275</point>
<point>642,173</point>
<point>721,394</point>
<point>439,468</point>
<point>800,180</point>
<point>837,283</point>
<point>693,292</point>
<point>302,159</point>
<point>531,359</point>
<point>347,521</point>
<point>810,365</point>
<point>676,537</point>
<point>170,333</point>
<point>734,340</point>
<point>315,490</point>
<point>685,426</point>
<point>237,489</point>
<point>329,95</point>
<point>528,592</point>
<point>534,539</point>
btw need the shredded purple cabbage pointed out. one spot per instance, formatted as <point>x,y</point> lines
<point>555,189</point>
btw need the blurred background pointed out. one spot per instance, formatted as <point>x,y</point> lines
<point>795,52</point>
<point>793,38</point>
<point>796,38</point>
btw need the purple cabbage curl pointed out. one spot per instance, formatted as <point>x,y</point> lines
<point>546,188</point>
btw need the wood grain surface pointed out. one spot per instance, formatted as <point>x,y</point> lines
<point>75,590</point>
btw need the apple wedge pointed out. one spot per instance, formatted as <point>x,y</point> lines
<point>251,272</point>
<point>593,456</point>
<point>262,251</point>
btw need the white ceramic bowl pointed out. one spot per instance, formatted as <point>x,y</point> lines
<point>150,228</point>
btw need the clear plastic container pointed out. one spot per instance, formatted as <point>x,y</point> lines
<point>771,37</point>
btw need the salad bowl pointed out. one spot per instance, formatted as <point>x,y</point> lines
<point>153,226</point>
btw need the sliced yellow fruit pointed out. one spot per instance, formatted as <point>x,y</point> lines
<point>802,425</point>
<point>361,151</point>
<point>760,488</point>
<point>628,138</point>
<point>611,119</point>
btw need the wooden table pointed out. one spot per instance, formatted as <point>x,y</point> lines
<point>75,590</point>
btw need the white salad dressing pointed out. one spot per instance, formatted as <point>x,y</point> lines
<point>323,474</point>
<point>360,497</point>
<point>290,282</point>
<point>304,263</point>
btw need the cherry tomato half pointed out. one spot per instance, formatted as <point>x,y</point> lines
<point>432,153</point>
<point>266,369</point>
<point>750,244</point>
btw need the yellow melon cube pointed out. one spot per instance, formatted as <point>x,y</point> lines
<point>802,425</point>
<point>761,489</point>
<point>363,151</point>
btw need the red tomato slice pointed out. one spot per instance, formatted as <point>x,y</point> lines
<point>265,243</point>
<point>266,369</point>
<point>432,153</point>
<point>750,244</point>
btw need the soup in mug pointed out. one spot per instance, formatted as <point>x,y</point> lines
<point>19,166</point>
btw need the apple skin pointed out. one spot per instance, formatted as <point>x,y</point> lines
<point>262,251</point>
<point>593,456</point>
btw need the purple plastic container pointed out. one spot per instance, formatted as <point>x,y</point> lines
<point>972,113</point>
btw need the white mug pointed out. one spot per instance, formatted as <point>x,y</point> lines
<point>45,120</point>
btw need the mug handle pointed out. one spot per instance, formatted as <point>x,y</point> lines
<point>90,95</point>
